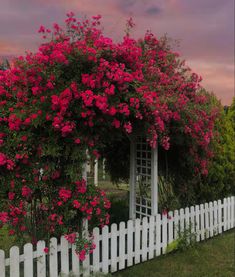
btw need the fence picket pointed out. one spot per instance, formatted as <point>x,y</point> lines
<point>215,214</point>
<point>96,252</point>
<point>144,238</point>
<point>202,221</point>
<point>233,211</point>
<point>170,227</point>
<point>220,216</point>
<point>129,243</point>
<point>75,262</point>
<point>41,260</point>
<point>164,233</point>
<point>225,214</point>
<point>192,220</point>
<point>122,242</point>
<point>105,249</point>
<point>211,211</point>
<point>176,224</point>
<point>86,266</point>
<point>151,236</point>
<point>158,234</point>
<point>28,260</point>
<point>14,262</point>
<point>137,241</point>
<point>181,225</point>
<point>229,212</point>
<point>197,222</point>
<point>187,218</point>
<point>2,264</point>
<point>114,247</point>
<point>64,255</point>
<point>53,262</point>
<point>207,220</point>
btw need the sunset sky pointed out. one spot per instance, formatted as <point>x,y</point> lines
<point>205,29</point>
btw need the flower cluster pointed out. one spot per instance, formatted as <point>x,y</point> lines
<point>77,92</point>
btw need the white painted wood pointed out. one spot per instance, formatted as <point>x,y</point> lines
<point>164,233</point>
<point>229,213</point>
<point>53,262</point>
<point>197,222</point>
<point>137,241</point>
<point>207,230</point>
<point>75,262</point>
<point>182,217</point>
<point>187,218</point>
<point>158,234</point>
<point>86,266</point>
<point>215,216</point>
<point>2,264</point>
<point>202,221</point>
<point>170,227</point>
<point>225,214</point>
<point>64,255</point>
<point>176,224</point>
<point>96,251</point>
<point>96,172</point>
<point>41,260</point>
<point>122,245</point>
<point>211,215</point>
<point>132,195</point>
<point>154,181</point>
<point>129,243</point>
<point>145,227</point>
<point>114,247</point>
<point>28,260</point>
<point>192,220</point>
<point>14,262</point>
<point>219,216</point>
<point>151,236</point>
<point>105,249</point>
<point>233,212</point>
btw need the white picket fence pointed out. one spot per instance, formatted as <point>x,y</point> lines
<point>120,246</point>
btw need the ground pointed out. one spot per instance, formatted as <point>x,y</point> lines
<point>212,258</point>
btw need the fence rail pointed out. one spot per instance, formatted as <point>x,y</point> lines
<point>120,245</point>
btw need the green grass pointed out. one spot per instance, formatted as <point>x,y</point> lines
<point>212,258</point>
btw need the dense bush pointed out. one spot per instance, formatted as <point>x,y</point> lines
<point>78,94</point>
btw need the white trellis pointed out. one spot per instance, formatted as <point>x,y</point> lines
<point>143,179</point>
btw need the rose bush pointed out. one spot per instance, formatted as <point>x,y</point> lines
<point>79,91</point>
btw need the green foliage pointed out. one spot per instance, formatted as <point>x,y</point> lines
<point>186,239</point>
<point>220,181</point>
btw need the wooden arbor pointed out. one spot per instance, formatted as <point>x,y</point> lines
<point>143,178</point>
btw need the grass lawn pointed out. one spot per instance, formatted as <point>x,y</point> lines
<point>212,258</point>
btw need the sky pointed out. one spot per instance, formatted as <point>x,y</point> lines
<point>204,30</point>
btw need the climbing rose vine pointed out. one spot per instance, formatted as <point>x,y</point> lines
<point>78,91</point>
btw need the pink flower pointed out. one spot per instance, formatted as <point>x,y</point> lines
<point>4,217</point>
<point>76,204</point>
<point>26,192</point>
<point>116,123</point>
<point>128,127</point>
<point>65,194</point>
<point>77,141</point>
<point>3,159</point>
<point>82,255</point>
<point>46,250</point>
<point>11,195</point>
<point>71,238</point>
